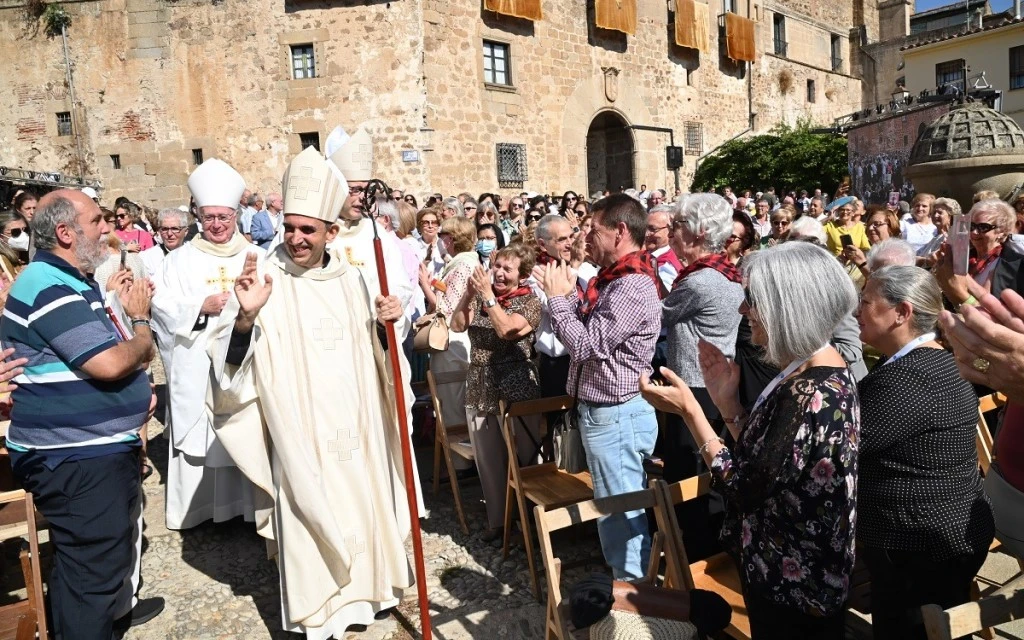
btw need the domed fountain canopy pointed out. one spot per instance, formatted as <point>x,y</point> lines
<point>969,131</point>
<point>972,148</point>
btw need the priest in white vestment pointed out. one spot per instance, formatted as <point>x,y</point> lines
<point>327,448</point>
<point>194,296</point>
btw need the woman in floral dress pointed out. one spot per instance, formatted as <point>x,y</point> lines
<point>790,479</point>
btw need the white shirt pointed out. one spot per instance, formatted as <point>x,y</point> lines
<point>918,234</point>
<point>667,272</point>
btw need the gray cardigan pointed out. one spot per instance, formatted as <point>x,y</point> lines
<point>704,306</point>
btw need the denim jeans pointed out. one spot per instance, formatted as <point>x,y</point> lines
<point>617,438</point>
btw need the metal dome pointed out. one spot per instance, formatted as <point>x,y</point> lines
<point>969,131</point>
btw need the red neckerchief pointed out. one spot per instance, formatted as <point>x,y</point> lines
<point>505,299</point>
<point>629,264</point>
<point>976,266</point>
<point>544,259</point>
<point>717,261</point>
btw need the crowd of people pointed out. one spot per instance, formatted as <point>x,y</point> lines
<point>821,357</point>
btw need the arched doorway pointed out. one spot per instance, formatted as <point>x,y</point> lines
<point>609,153</point>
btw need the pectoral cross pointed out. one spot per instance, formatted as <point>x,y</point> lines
<point>302,183</point>
<point>343,445</point>
<point>223,280</point>
<point>356,545</point>
<point>328,334</point>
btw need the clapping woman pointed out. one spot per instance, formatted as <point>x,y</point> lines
<point>790,480</point>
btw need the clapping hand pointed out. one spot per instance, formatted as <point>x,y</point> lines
<point>721,378</point>
<point>252,294</point>
<point>481,283</point>
<point>988,341</point>
<point>558,280</point>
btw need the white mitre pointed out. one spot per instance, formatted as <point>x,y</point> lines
<point>215,184</point>
<point>353,156</point>
<point>312,189</point>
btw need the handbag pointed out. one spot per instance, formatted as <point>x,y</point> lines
<point>570,455</point>
<point>430,334</point>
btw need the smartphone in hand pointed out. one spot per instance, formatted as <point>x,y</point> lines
<point>124,259</point>
<point>846,240</point>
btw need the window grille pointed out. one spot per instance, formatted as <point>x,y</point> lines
<point>310,140</point>
<point>64,123</point>
<point>511,165</point>
<point>694,138</point>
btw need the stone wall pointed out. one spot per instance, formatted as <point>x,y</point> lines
<point>161,82</point>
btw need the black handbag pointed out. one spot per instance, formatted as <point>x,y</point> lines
<point>570,456</point>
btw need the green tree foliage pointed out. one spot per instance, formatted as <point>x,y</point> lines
<point>788,158</point>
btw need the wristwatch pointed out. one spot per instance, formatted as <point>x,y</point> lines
<point>490,303</point>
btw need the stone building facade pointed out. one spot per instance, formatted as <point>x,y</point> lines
<point>160,85</point>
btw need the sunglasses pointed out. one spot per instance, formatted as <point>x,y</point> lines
<point>532,218</point>
<point>469,208</point>
<point>14,233</point>
<point>981,227</point>
<point>121,216</point>
<point>747,299</point>
<point>429,223</point>
<point>516,205</point>
<point>172,229</point>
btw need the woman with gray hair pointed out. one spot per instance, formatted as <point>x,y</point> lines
<point>943,210</point>
<point>995,261</point>
<point>791,478</point>
<point>452,207</point>
<point>702,306</point>
<point>925,524</point>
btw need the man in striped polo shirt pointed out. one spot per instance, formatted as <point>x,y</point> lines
<point>77,410</point>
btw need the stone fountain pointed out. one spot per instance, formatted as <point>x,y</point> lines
<point>972,148</point>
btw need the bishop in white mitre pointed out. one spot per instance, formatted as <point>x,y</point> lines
<point>194,297</point>
<point>354,158</point>
<point>327,447</point>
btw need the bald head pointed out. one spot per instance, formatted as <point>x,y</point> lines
<point>82,202</point>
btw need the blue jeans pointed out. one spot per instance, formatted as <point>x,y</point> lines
<point>617,438</point>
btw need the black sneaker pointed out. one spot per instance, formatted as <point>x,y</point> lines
<point>145,610</point>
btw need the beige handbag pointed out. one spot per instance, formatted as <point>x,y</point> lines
<point>430,334</point>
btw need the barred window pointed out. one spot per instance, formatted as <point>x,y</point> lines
<point>694,135</point>
<point>303,63</point>
<point>496,63</point>
<point>197,157</point>
<point>511,165</point>
<point>952,73</point>
<point>64,123</point>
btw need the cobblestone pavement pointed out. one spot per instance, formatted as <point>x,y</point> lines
<point>218,582</point>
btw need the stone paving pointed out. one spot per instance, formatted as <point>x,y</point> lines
<point>218,582</point>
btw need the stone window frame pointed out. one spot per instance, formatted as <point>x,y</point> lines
<point>780,45</point>
<point>812,91</point>
<point>1016,67</point>
<point>318,39</point>
<point>509,81</point>
<point>303,58</point>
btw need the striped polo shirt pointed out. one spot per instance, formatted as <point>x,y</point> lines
<point>55,317</point>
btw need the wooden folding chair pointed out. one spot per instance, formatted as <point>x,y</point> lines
<point>717,573</point>
<point>545,485</point>
<point>449,438</point>
<point>548,521</point>
<point>972,617</point>
<point>19,519</point>
<point>983,436</point>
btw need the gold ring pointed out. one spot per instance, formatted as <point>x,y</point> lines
<point>981,364</point>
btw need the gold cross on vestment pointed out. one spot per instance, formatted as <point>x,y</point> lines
<point>343,445</point>
<point>223,280</point>
<point>303,181</point>
<point>355,544</point>
<point>352,259</point>
<point>328,334</point>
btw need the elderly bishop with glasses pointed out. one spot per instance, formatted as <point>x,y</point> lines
<point>194,297</point>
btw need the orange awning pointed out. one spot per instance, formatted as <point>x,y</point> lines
<point>692,19</point>
<point>739,37</point>
<point>526,9</point>
<point>616,15</point>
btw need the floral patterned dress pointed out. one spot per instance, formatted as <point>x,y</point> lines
<point>501,369</point>
<point>791,487</point>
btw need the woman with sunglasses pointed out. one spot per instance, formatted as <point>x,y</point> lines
<point>411,199</point>
<point>14,241</point>
<point>790,479</point>
<point>427,245</point>
<point>511,223</point>
<point>569,200</point>
<point>994,262</point>
<point>743,238</point>
<point>133,239</point>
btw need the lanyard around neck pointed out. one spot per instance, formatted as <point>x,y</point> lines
<point>910,346</point>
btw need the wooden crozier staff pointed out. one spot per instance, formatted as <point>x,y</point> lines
<point>373,188</point>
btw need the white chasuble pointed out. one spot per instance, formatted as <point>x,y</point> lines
<point>327,448</point>
<point>202,481</point>
<point>356,245</point>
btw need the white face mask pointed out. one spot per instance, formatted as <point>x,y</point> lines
<point>20,243</point>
